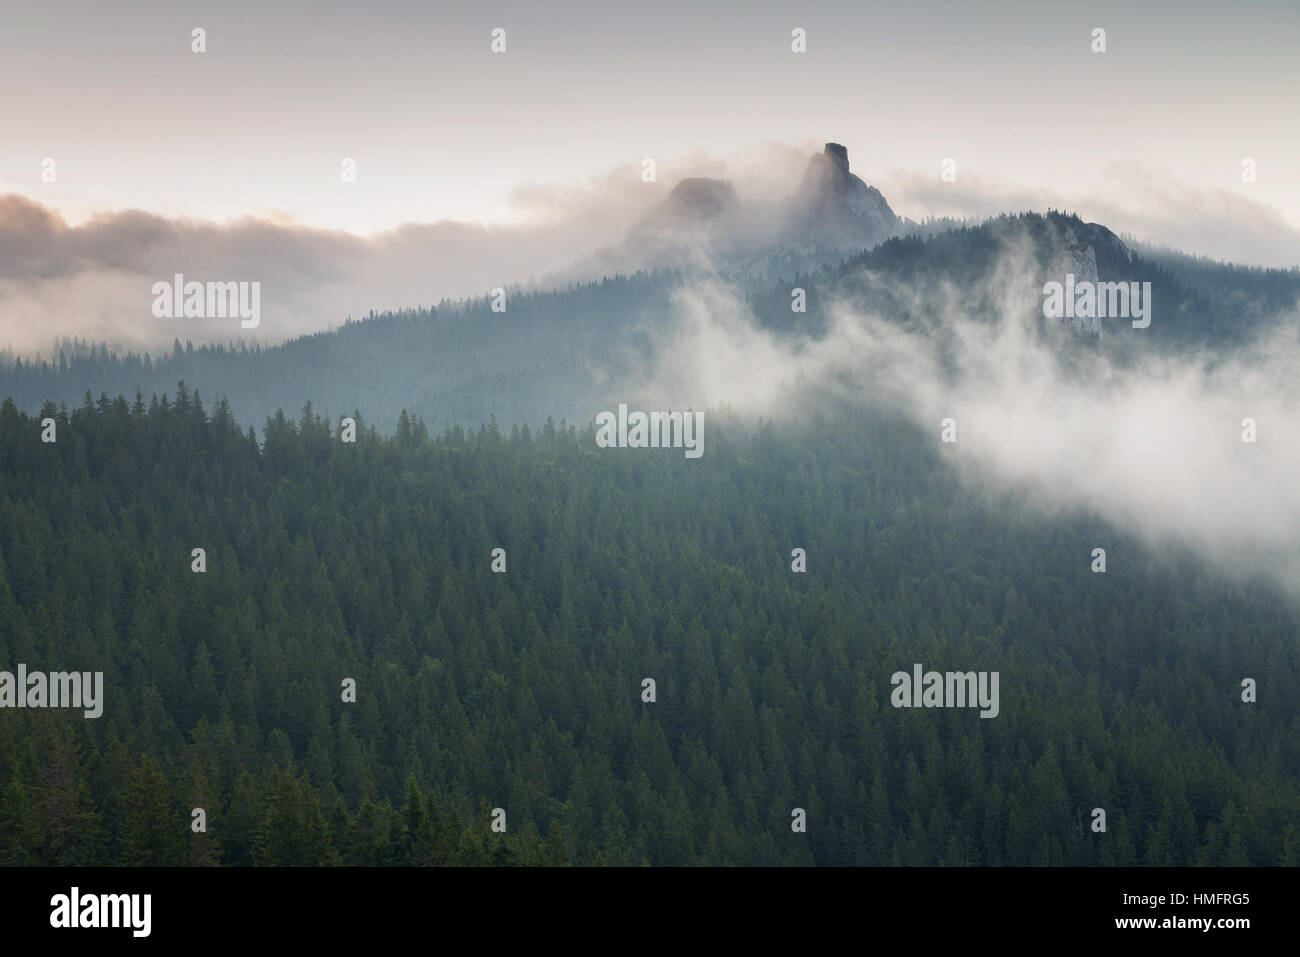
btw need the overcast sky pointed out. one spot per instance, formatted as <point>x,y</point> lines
<point>441,127</point>
<point>475,169</point>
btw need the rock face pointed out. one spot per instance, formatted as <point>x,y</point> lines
<point>703,224</point>
<point>701,199</point>
<point>692,205</point>
<point>836,208</point>
<point>692,228</point>
<point>1079,260</point>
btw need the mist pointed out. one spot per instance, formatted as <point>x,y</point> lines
<point>1150,442</point>
<point>93,280</point>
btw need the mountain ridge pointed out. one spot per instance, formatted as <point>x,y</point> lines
<point>704,226</point>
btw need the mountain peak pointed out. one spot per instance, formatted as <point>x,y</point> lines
<point>701,198</point>
<point>838,207</point>
<point>704,221</point>
<point>838,155</point>
<point>828,172</point>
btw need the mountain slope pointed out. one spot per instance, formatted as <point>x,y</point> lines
<point>571,352</point>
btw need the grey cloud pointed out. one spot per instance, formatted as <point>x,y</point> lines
<point>1218,222</point>
<point>1151,444</point>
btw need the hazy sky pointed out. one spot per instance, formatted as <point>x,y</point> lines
<point>477,169</point>
<point>441,127</point>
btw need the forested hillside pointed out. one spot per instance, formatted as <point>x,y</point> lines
<point>522,690</point>
<point>1198,303</point>
<point>454,364</point>
<point>573,351</point>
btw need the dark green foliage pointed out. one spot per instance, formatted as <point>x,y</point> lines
<point>371,561</point>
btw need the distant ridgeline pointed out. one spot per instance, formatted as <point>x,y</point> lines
<point>524,648</point>
<point>568,353</point>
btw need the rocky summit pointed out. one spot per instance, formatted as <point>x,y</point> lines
<point>836,208</point>
<point>703,223</point>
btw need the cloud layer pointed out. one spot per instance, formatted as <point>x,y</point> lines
<point>94,280</point>
<point>1150,443</point>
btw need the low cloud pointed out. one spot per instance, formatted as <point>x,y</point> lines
<point>1151,443</point>
<point>1217,222</point>
<point>94,280</point>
